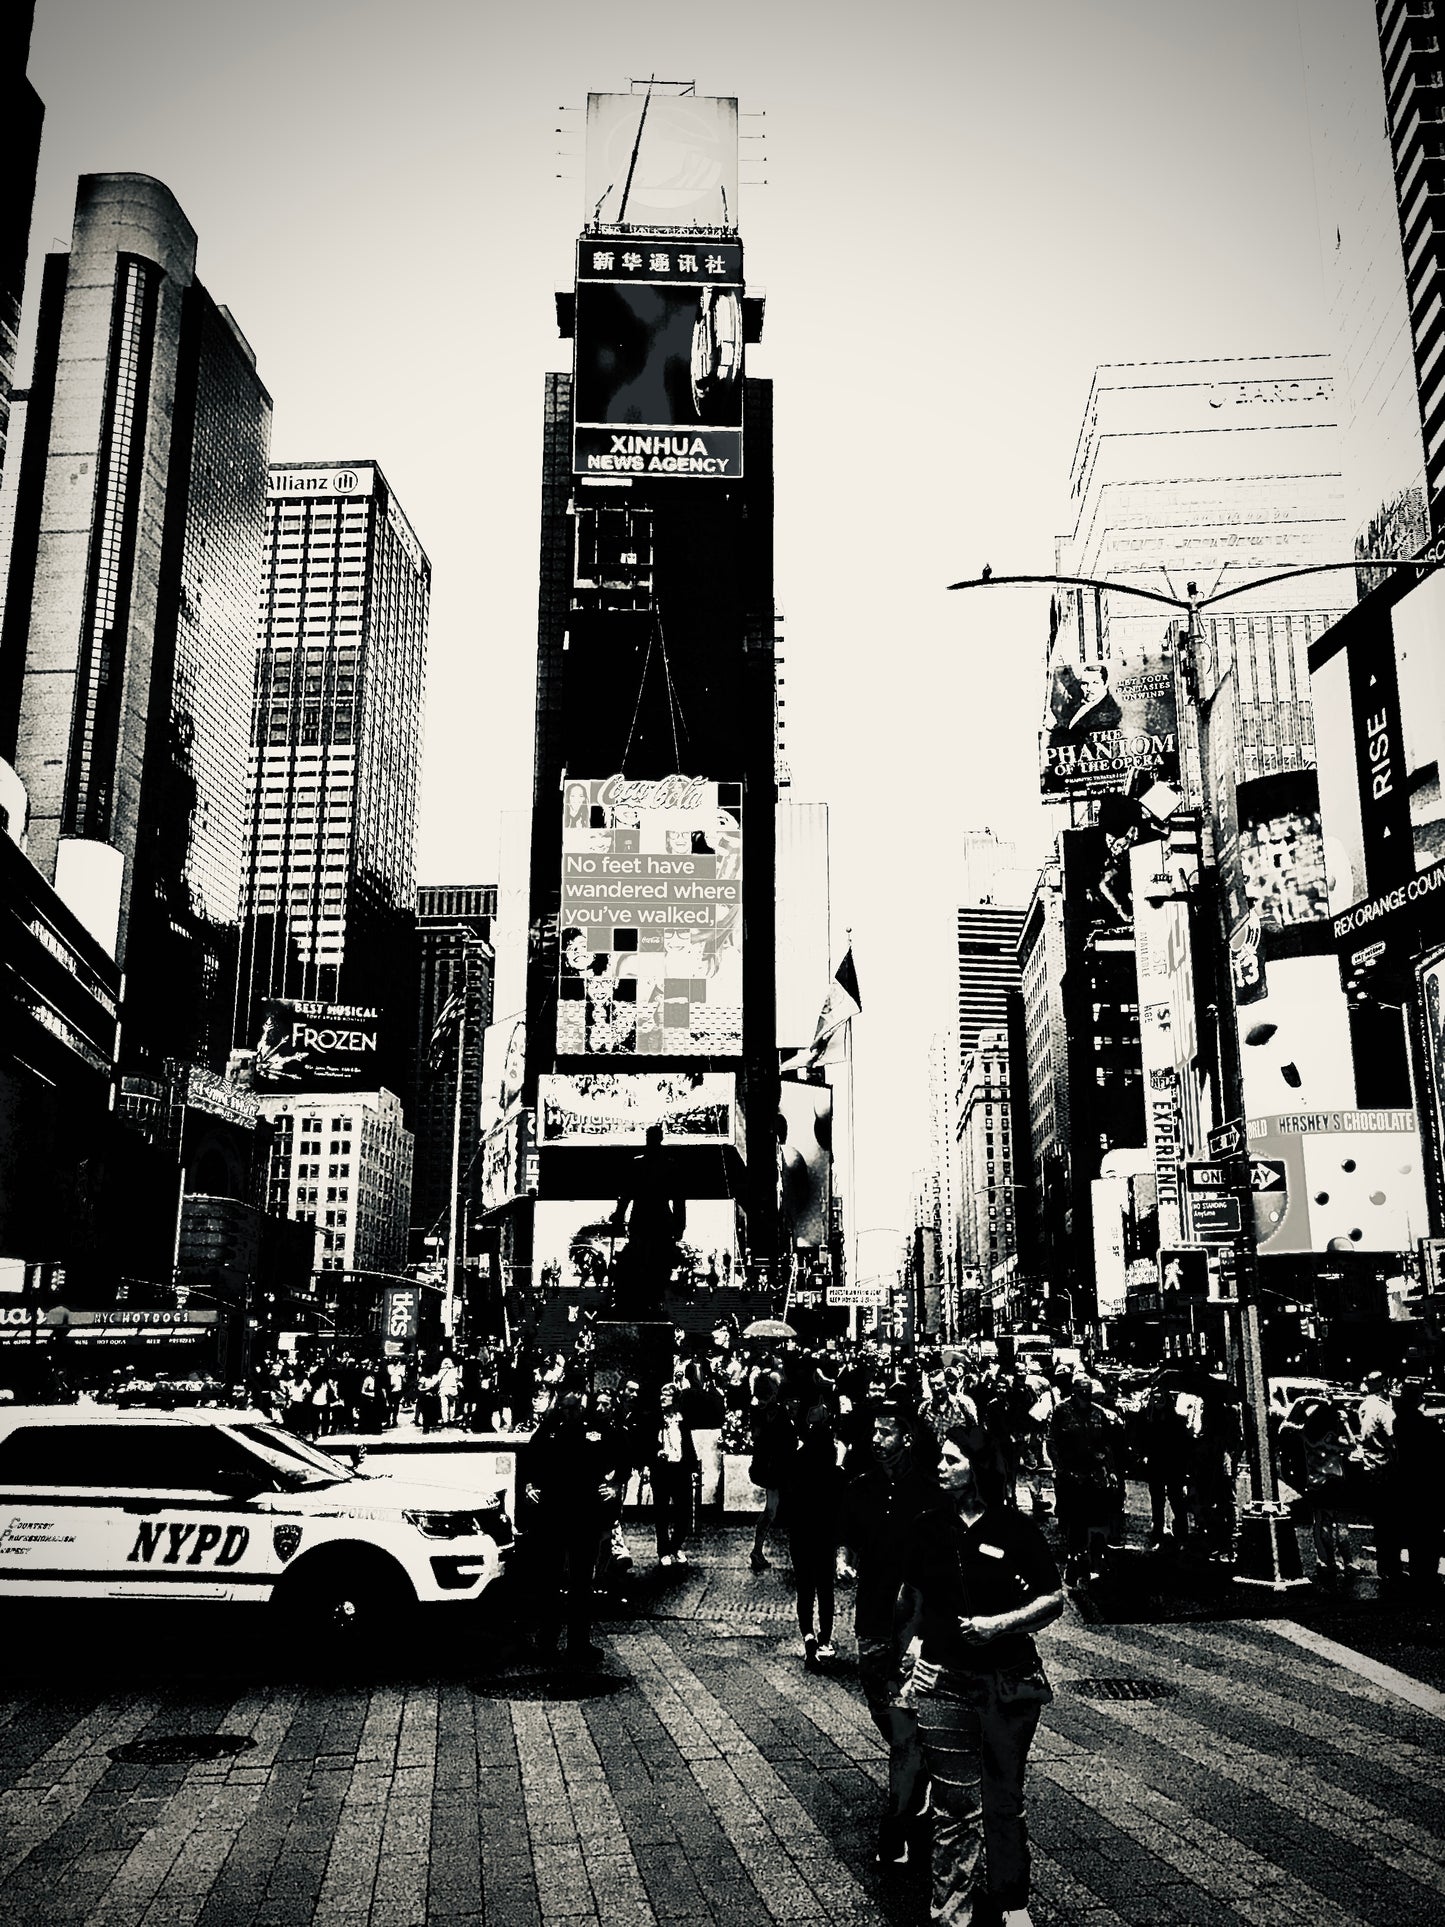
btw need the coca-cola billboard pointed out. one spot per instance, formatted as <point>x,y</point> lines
<point>650,941</point>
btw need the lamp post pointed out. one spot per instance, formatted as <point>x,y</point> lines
<point>1269,1553</point>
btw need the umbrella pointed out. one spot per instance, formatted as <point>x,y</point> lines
<point>769,1328</point>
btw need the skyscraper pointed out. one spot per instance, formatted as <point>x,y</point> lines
<point>1414,93</point>
<point>988,969</point>
<point>339,673</point>
<point>21,114</point>
<point>454,956</point>
<point>652,899</point>
<point>1364,269</point>
<point>985,1140</point>
<point>125,657</point>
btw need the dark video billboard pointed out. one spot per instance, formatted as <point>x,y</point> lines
<point>658,357</point>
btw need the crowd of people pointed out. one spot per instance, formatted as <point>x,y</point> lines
<point>921,1481</point>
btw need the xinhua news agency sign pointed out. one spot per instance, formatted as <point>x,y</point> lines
<point>657,368</point>
<point>310,1046</point>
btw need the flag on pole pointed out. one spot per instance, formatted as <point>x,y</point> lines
<point>843,1003</point>
<point>449,1014</point>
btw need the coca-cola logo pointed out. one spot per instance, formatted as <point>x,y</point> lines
<point>664,793</point>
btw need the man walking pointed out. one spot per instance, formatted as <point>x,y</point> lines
<point>1088,1484</point>
<point>1377,1455</point>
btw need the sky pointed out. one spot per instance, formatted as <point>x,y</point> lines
<point>956,211</point>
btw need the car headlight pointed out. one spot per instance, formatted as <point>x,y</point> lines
<point>493,1519</point>
<point>444,1525</point>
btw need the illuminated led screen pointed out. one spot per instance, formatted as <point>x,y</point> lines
<point>650,938</point>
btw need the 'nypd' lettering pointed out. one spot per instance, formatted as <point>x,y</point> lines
<point>225,1544</point>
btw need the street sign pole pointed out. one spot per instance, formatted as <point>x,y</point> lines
<point>1269,1552</point>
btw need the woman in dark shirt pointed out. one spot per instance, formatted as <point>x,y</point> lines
<point>812,1487</point>
<point>978,1581</point>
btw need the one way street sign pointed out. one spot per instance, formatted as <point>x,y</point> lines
<point>1227,1140</point>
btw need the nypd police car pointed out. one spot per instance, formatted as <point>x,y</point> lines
<point>224,1506</point>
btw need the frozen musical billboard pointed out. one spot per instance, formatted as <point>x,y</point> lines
<point>650,936</point>
<point>658,357</point>
<point>310,1047</point>
<point>1108,720</point>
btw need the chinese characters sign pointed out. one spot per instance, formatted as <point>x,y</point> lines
<point>610,259</point>
<point>651,958</point>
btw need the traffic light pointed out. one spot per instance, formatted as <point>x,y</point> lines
<point>1183,1275</point>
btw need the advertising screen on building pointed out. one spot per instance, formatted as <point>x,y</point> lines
<point>575,1241</point>
<point>313,1047</point>
<point>1098,884</point>
<point>1154,935</point>
<point>1377,680</point>
<point>805,1162</point>
<point>1272,869</point>
<point>504,1063</point>
<point>661,160</point>
<point>1294,1041</point>
<point>504,1161</point>
<point>658,357</point>
<point>1336,1180</point>
<point>651,956</point>
<point>606,1107</point>
<point>1432,1005</point>
<point>1108,721</point>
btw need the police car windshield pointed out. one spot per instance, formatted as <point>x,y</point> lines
<point>292,1457</point>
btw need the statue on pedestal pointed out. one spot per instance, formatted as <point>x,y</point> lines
<point>653,1220</point>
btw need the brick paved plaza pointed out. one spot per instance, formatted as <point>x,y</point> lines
<point>704,1777</point>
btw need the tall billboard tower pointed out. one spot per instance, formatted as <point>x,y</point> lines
<point>650,984</point>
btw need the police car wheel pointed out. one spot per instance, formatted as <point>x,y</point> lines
<point>342,1603</point>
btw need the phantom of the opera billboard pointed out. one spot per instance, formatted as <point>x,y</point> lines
<point>658,357</point>
<point>1377,681</point>
<point>313,1047</point>
<point>661,160</point>
<point>1109,721</point>
<point>651,934</point>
